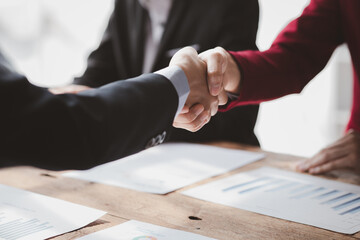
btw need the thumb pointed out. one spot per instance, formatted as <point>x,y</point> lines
<point>216,62</point>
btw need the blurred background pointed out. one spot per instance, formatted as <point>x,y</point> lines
<point>49,41</point>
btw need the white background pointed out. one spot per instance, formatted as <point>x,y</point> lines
<point>49,41</point>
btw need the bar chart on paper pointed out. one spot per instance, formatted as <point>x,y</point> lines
<point>27,216</point>
<point>287,195</point>
<point>16,227</point>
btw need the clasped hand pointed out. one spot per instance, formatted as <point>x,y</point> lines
<point>210,75</point>
<point>214,73</point>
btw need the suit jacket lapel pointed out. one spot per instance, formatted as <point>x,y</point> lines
<point>177,12</point>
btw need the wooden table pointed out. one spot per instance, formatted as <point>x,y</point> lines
<point>173,210</point>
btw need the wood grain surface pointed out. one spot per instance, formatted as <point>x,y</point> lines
<point>174,210</point>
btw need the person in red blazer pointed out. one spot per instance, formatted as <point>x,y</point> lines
<point>299,52</point>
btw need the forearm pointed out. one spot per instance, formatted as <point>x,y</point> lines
<point>87,129</point>
<point>300,51</point>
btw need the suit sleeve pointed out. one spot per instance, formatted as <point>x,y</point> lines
<point>81,131</point>
<point>299,52</point>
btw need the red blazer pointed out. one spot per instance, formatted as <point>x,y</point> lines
<point>301,51</point>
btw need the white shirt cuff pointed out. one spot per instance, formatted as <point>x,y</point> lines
<point>178,78</point>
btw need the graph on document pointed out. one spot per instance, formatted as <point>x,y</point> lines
<point>14,227</point>
<point>297,197</point>
<point>337,200</point>
<point>27,216</point>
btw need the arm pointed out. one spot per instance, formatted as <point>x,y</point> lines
<point>83,130</point>
<point>92,127</point>
<point>299,52</point>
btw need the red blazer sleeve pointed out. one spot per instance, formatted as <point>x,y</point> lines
<point>299,52</point>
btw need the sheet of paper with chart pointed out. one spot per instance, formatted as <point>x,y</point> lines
<point>28,216</point>
<point>134,230</point>
<point>168,167</point>
<point>287,195</point>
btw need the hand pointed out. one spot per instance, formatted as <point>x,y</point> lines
<point>200,105</point>
<point>343,154</point>
<point>223,73</point>
<point>69,89</point>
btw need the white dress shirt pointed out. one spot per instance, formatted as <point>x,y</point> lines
<point>179,80</point>
<point>158,11</point>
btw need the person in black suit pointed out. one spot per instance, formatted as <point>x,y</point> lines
<point>79,131</point>
<point>203,24</point>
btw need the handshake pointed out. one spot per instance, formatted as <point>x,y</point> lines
<point>211,75</point>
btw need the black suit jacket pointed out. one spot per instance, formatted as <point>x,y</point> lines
<point>80,131</point>
<point>203,24</point>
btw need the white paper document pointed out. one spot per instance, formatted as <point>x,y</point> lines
<point>287,195</point>
<point>134,230</point>
<point>30,216</point>
<point>167,167</point>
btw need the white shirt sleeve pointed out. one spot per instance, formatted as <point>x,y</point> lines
<point>178,78</point>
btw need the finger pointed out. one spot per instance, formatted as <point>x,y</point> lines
<point>216,61</point>
<point>224,54</point>
<point>214,110</point>
<point>191,115</point>
<point>223,98</point>
<point>305,165</point>
<point>204,118</point>
<point>185,109</point>
<point>324,156</point>
<point>214,107</point>
<point>333,165</point>
<point>195,125</point>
